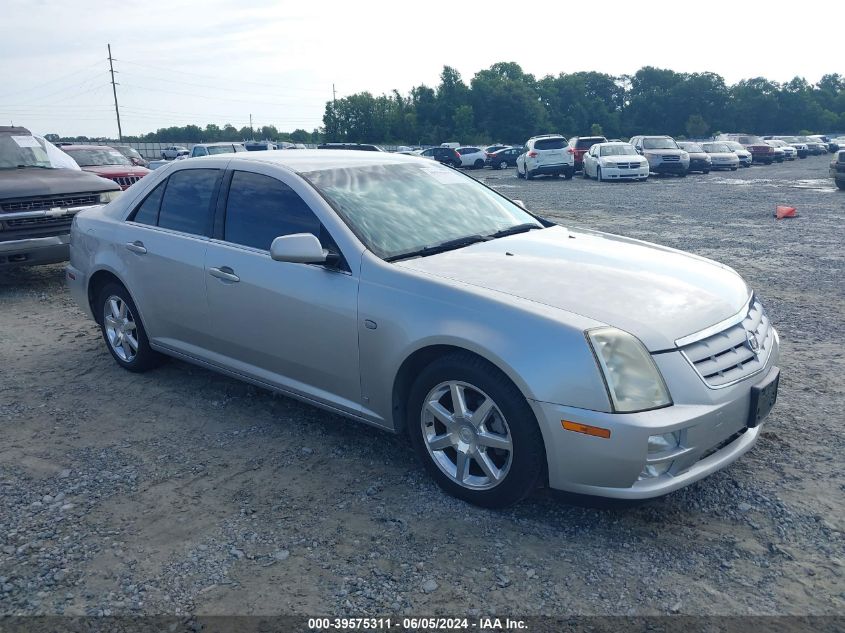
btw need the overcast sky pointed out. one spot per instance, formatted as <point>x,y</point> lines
<point>218,61</point>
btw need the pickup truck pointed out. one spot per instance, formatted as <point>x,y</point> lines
<point>41,190</point>
<point>174,151</point>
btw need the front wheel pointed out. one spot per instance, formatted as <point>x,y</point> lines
<point>474,432</point>
<point>598,174</point>
<point>682,174</point>
<point>123,331</point>
<point>518,173</point>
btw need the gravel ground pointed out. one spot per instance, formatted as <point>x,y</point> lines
<point>182,491</point>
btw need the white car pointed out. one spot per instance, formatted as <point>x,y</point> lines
<point>472,157</point>
<point>614,161</point>
<point>548,154</point>
<point>744,156</point>
<point>721,156</point>
<point>789,152</point>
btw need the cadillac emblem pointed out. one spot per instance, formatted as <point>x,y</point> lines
<point>753,343</point>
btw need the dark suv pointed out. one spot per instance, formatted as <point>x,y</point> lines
<point>445,155</point>
<point>38,199</point>
<point>580,145</point>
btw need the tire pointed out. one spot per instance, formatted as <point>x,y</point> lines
<point>584,174</point>
<point>683,174</point>
<point>841,184</point>
<point>598,174</point>
<point>567,175</point>
<point>494,475</point>
<point>734,168</point>
<point>117,312</point>
<point>519,175</point>
<point>479,164</point>
<point>503,164</point>
<point>528,174</point>
<point>706,171</point>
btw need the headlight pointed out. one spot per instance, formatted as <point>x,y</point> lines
<point>108,196</point>
<point>684,156</point>
<point>633,380</point>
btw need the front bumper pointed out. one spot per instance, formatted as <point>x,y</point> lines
<point>714,433</point>
<point>669,168</point>
<point>614,173</point>
<point>35,251</point>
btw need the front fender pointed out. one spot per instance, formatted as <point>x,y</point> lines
<point>541,349</point>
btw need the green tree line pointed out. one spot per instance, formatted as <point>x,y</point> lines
<point>504,103</point>
<point>212,133</point>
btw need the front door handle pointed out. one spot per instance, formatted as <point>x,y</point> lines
<point>225,273</point>
<point>136,247</point>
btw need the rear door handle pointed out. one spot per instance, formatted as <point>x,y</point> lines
<point>136,247</point>
<point>225,273</point>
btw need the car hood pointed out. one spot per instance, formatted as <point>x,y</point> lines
<point>113,171</point>
<point>627,158</point>
<point>29,182</point>
<point>656,293</point>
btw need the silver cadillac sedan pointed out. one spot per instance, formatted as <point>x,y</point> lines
<point>513,353</point>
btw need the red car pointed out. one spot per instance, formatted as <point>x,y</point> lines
<point>106,162</point>
<point>761,151</point>
<point>580,145</point>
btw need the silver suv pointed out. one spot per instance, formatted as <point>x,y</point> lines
<point>548,154</point>
<point>663,154</point>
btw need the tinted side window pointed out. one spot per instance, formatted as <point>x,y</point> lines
<point>147,211</point>
<point>260,209</point>
<point>187,201</point>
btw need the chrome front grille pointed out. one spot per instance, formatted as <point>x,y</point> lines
<point>20,223</point>
<point>50,202</point>
<point>627,165</point>
<point>730,355</point>
<point>671,159</point>
<point>126,181</point>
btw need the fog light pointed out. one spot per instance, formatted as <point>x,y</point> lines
<point>663,443</point>
<point>655,470</point>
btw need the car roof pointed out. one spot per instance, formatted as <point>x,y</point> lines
<point>316,160</point>
<point>219,143</point>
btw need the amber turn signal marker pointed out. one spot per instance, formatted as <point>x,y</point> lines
<point>585,428</point>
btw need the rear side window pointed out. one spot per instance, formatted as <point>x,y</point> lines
<point>261,208</point>
<point>587,143</point>
<point>550,143</point>
<point>147,212</point>
<point>186,205</point>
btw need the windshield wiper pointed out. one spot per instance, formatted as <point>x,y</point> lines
<point>439,248</point>
<point>513,230</point>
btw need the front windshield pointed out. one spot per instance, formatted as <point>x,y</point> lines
<point>659,143</point>
<point>734,145</point>
<point>693,148</point>
<point>618,150</point>
<point>97,157</point>
<point>717,148</point>
<point>23,151</point>
<point>401,208</point>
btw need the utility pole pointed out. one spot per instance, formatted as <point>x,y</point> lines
<point>334,95</point>
<point>114,92</point>
<point>251,132</point>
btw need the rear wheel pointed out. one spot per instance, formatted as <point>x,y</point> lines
<point>123,331</point>
<point>479,164</point>
<point>528,174</point>
<point>840,184</point>
<point>567,175</point>
<point>503,164</point>
<point>474,431</point>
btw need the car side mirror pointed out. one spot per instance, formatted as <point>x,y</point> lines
<point>299,248</point>
<point>520,203</point>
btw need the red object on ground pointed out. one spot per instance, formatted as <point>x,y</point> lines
<point>785,212</point>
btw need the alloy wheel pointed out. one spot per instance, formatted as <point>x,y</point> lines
<point>120,328</point>
<point>466,435</point>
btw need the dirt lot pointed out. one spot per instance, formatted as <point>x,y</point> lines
<point>181,491</point>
